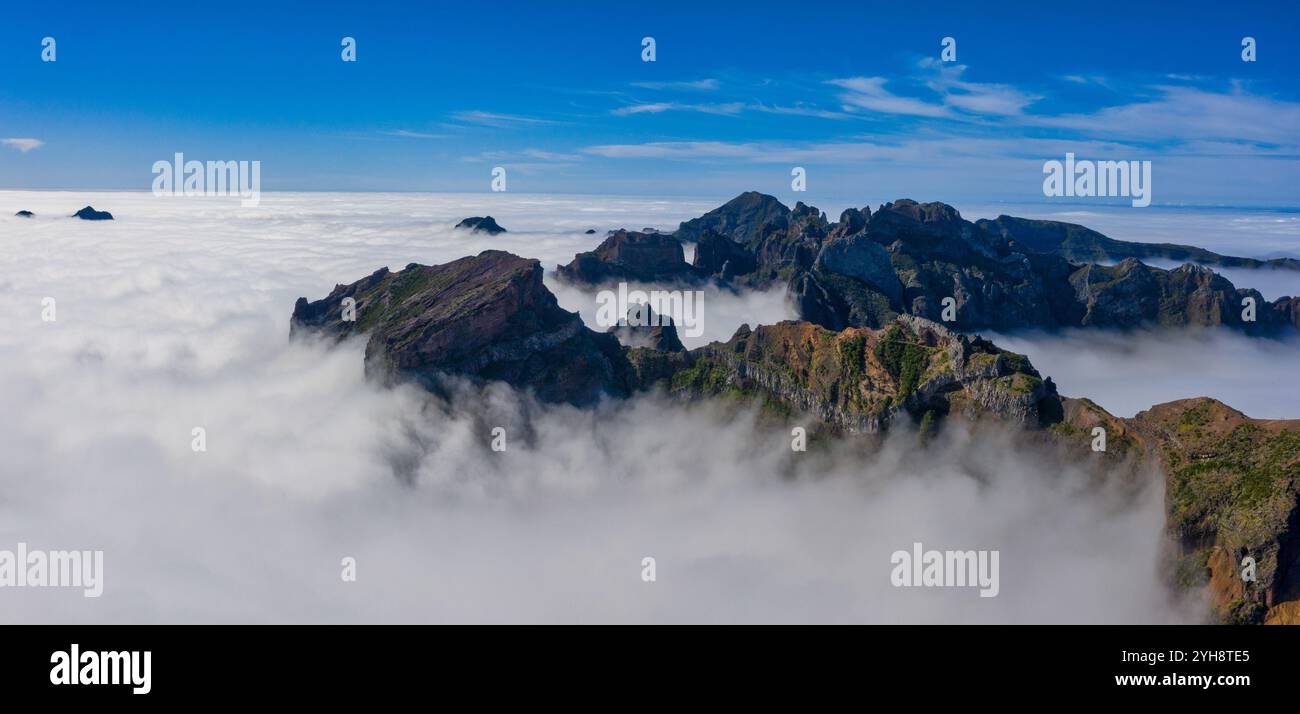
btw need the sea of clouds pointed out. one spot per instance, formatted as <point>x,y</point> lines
<point>175,315</point>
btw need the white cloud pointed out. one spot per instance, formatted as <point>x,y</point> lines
<point>703,85</point>
<point>308,463</point>
<point>869,93</point>
<point>1180,113</point>
<point>23,145</point>
<point>405,134</point>
<point>492,119</point>
<point>976,97</point>
<point>660,107</point>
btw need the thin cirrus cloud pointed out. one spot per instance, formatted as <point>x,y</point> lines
<point>869,93</point>
<point>660,107</point>
<point>953,97</point>
<point>406,134</point>
<point>700,85</point>
<point>1180,113</point>
<point>922,151</point>
<point>533,155</point>
<point>23,145</point>
<point>975,97</point>
<point>729,109</point>
<point>495,120</point>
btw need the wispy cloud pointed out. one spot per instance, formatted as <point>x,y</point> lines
<point>701,85</point>
<point>535,156</point>
<point>23,145</point>
<point>403,133</point>
<point>950,96</point>
<point>493,119</point>
<point>929,151</point>
<point>869,93</point>
<point>1182,114</point>
<point>1095,79</point>
<point>660,107</point>
<point>975,97</point>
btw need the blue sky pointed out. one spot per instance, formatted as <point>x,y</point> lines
<point>740,93</point>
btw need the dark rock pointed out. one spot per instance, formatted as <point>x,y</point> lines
<point>90,214</point>
<point>857,256</point>
<point>644,328</point>
<point>486,318</point>
<point>481,224</point>
<point>861,380</point>
<point>716,254</point>
<point>590,231</point>
<point>25,214</point>
<point>627,255</point>
<point>1080,244</point>
<point>737,219</point>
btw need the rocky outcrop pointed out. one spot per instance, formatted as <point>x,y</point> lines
<point>481,224</point>
<point>1132,294</point>
<point>643,327</point>
<point>861,380</point>
<point>1233,492</point>
<point>90,214</point>
<point>486,318</point>
<point>738,219</point>
<point>1084,245</point>
<point>918,258</point>
<point>25,214</point>
<point>858,256</point>
<point>631,256</point>
<point>716,254</point>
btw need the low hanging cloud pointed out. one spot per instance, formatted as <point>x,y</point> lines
<point>1126,372</point>
<point>175,316</point>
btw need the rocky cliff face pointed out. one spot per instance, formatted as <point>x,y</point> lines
<point>918,258</point>
<point>485,318</point>
<point>634,256</point>
<point>738,219</point>
<point>861,380</point>
<point>1233,491</point>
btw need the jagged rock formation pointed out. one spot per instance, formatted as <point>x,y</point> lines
<point>487,317</point>
<point>634,256</point>
<point>909,258</point>
<point>1232,483</point>
<point>481,224</point>
<point>737,219</point>
<point>490,317</point>
<point>644,328</point>
<point>90,214</point>
<point>25,214</point>
<point>861,380</point>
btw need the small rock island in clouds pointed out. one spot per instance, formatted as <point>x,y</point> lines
<point>481,224</point>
